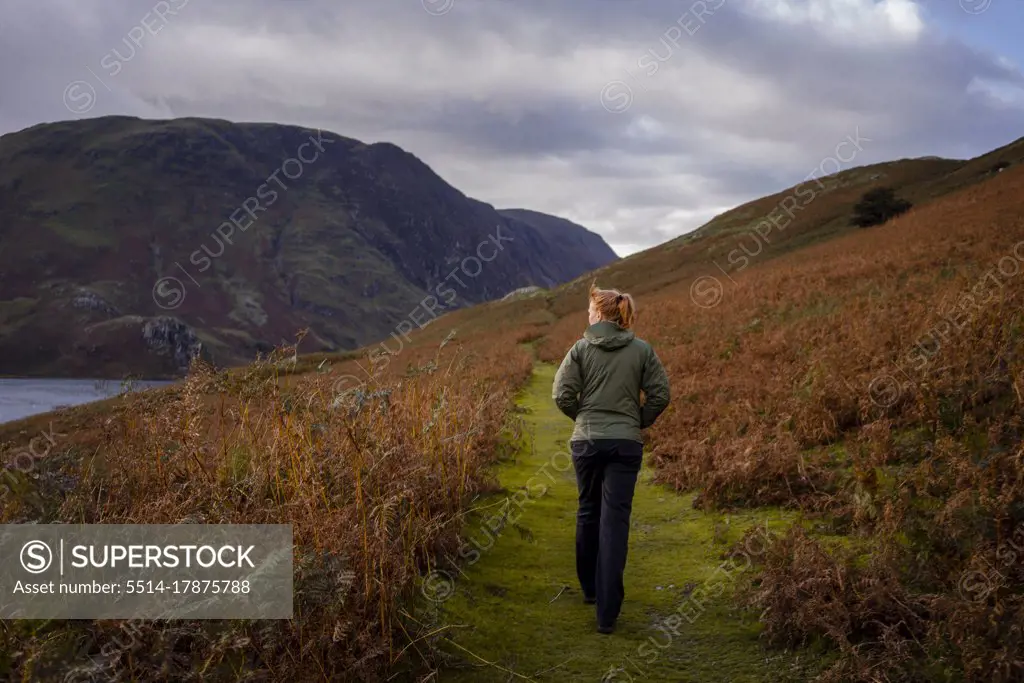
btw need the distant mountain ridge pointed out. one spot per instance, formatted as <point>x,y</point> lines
<point>126,245</point>
<point>593,250</point>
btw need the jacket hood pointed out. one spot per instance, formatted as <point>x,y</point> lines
<point>608,336</point>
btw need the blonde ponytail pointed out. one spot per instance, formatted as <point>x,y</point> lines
<point>614,306</point>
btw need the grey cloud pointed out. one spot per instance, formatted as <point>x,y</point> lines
<point>502,97</point>
<point>551,129</point>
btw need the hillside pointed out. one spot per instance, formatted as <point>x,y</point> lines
<point>566,235</point>
<point>812,212</point>
<point>860,391</point>
<point>705,264</point>
<point>126,245</point>
<point>871,379</point>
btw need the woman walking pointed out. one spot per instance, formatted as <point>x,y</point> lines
<point>598,385</point>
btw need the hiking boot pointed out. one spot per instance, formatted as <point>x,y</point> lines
<point>605,629</point>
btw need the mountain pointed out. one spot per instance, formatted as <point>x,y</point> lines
<point>128,245</point>
<point>586,246</point>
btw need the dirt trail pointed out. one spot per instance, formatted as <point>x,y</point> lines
<point>516,612</point>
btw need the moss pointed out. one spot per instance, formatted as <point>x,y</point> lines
<point>518,606</point>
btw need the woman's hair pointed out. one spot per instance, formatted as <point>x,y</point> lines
<point>613,305</point>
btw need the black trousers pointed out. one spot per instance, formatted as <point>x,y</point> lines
<point>606,473</point>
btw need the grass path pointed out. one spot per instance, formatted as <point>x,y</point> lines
<point>516,612</point>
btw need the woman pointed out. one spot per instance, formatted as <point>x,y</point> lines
<point>598,385</point>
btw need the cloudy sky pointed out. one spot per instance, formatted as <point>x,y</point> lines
<point>640,119</point>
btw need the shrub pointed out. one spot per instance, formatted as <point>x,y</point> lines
<point>878,206</point>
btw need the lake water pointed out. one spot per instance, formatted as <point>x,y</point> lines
<point>23,397</point>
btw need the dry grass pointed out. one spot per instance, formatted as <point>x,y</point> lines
<point>374,482</point>
<point>876,380</point>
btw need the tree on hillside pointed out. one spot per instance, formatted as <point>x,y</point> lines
<point>877,206</point>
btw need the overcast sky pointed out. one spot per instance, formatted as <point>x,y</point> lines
<point>640,119</point>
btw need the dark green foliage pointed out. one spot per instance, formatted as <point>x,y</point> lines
<point>878,206</point>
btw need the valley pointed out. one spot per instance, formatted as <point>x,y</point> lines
<point>857,391</point>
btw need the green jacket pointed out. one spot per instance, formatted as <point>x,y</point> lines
<point>599,382</point>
